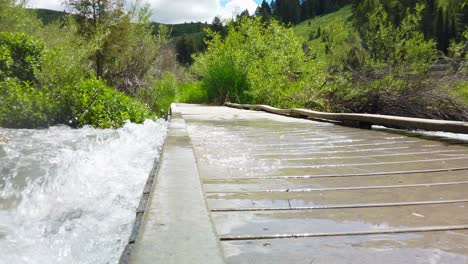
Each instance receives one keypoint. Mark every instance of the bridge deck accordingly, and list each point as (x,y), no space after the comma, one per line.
(285,190)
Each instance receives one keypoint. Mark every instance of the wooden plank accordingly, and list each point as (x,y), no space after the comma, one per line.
(352,174)
(336,206)
(370,119)
(357,233)
(348,188)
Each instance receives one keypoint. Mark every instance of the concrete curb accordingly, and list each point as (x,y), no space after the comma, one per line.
(176,226)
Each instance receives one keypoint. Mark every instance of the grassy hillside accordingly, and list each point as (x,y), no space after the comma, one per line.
(308,29)
(187,28)
(334,28)
(192,29)
(47,16)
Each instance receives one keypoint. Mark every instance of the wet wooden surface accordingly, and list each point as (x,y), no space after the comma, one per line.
(286,190)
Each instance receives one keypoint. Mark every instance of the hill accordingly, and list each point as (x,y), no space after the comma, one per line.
(308,29)
(192,29)
(335,27)
(47,16)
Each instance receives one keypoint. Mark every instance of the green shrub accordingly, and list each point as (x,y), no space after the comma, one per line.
(461,91)
(225,82)
(14,17)
(191,93)
(91,102)
(160,96)
(65,59)
(256,63)
(20,56)
(402,47)
(22,106)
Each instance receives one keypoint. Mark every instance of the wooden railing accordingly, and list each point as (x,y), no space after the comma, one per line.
(364,120)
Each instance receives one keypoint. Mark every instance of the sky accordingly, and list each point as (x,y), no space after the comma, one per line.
(178,11)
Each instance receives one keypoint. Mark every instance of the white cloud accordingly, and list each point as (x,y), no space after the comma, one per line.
(234,7)
(47,4)
(178,11)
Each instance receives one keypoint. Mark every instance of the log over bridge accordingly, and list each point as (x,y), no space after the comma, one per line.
(244,186)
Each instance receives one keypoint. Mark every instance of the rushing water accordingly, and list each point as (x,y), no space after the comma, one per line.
(70,195)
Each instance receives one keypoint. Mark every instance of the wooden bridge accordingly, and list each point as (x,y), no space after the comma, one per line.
(242,186)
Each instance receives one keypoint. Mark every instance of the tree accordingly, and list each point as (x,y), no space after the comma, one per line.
(14,17)
(264,11)
(287,11)
(217,26)
(127,44)
(450,21)
(244,13)
(442,20)
(185,48)
(255,63)
(96,17)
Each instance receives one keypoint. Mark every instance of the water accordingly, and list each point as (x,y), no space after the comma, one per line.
(70,195)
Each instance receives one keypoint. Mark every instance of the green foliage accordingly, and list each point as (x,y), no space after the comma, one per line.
(160,96)
(381,47)
(462,91)
(192,92)
(185,47)
(306,28)
(15,18)
(255,63)
(459,49)
(226,82)
(20,56)
(442,20)
(264,10)
(403,46)
(48,16)
(178,30)
(91,102)
(287,11)
(379,65)
(24,106)
(126,46)
(48,76)
(65,60)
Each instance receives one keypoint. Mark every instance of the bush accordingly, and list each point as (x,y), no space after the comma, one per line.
(256,63)
(14,17)
(225,82)
(22,106)
(403,46)
(89,102)
(160,96)
(20,56)
(191,93)
(65,59)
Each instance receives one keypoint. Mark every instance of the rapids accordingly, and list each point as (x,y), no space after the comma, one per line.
(70,195)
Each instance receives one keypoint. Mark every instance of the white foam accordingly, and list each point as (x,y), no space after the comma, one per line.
(70,195)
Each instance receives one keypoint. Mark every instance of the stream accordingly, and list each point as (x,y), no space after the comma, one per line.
(70,195)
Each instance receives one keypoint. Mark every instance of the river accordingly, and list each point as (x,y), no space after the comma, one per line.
(70,195)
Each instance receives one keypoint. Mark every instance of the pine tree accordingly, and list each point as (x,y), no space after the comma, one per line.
(264,10)
(185,48)
(288,11)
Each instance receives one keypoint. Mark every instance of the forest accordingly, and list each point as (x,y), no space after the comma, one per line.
(103,64)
